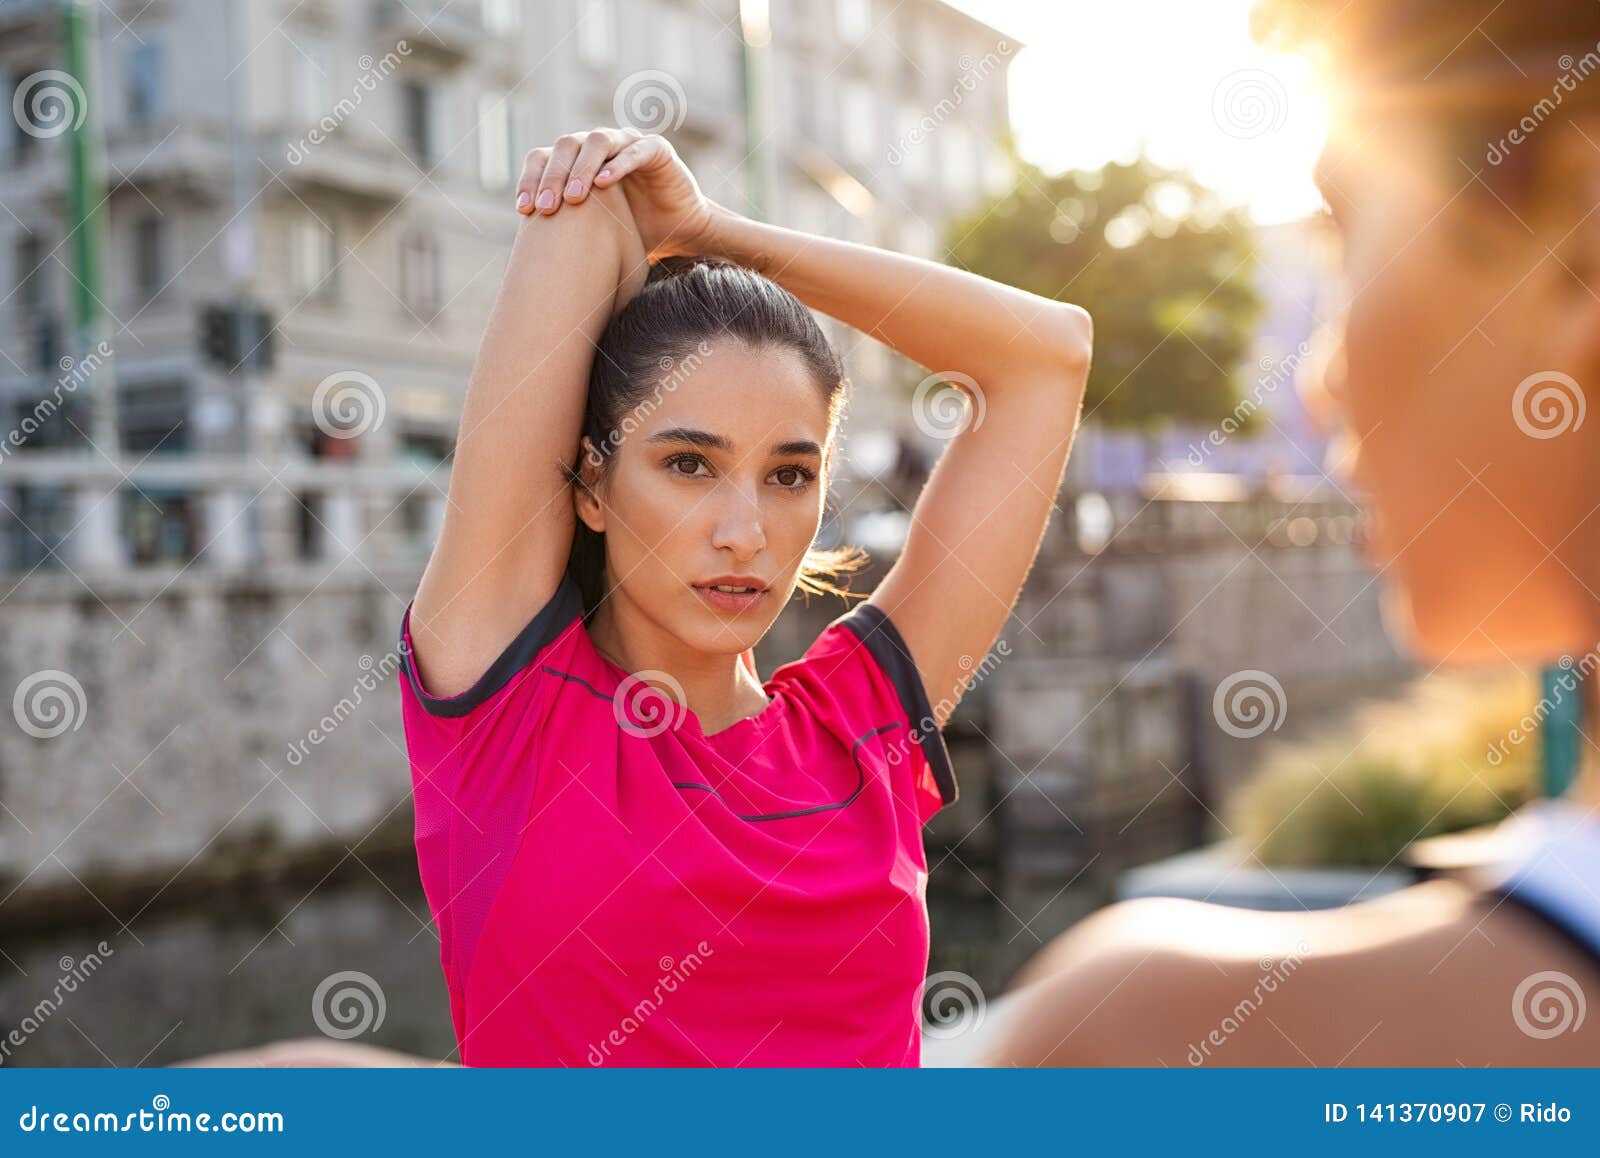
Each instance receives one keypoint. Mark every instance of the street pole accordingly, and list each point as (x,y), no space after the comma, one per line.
(98,541)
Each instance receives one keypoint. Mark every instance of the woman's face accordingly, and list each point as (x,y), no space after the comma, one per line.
(718,473)
(1476,465)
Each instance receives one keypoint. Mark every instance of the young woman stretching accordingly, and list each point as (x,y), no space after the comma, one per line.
(637,852)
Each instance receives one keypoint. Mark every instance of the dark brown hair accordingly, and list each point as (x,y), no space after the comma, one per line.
(684,306)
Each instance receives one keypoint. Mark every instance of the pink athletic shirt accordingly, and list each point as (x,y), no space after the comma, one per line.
(612,886)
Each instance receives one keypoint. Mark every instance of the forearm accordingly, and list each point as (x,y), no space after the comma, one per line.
(565,279)
(943,318)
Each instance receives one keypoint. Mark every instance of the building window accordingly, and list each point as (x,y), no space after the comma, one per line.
(420,282)
(31,255)
(911,143)
(315,257)
(494,140)
(312,69)
(501,16)
(596,44)
(853,19)
(144,82)
(416,101)
(860,111)
(149,258)
(958,157)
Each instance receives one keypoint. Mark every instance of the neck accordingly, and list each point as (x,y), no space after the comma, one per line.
(715,686)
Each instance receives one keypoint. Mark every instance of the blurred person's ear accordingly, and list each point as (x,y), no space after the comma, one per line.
(1568,222)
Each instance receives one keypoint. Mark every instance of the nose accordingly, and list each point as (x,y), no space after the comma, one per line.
(738,526)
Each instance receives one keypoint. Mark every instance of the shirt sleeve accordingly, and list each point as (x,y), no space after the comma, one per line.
(470,757)
(865,639)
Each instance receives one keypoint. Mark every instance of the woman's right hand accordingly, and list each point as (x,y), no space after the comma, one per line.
(673,216)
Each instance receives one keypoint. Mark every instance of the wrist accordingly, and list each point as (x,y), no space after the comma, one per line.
(714,239)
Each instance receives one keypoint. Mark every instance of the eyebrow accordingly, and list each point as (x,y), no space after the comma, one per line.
(706,440)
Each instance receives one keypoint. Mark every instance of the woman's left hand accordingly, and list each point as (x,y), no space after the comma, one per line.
(672,214)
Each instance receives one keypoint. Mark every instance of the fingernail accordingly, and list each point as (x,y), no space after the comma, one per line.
(574,187)
(524,199)
(547,199)
(603,173)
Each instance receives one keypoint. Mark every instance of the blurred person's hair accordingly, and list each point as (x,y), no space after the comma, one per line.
(686,303)
(1472,70)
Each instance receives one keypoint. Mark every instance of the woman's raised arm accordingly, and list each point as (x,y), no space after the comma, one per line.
(1023,361)
(509,520)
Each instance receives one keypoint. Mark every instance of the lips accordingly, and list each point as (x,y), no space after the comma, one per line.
(734,584)
(732,593)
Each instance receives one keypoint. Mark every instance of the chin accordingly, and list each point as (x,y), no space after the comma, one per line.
(1523,629)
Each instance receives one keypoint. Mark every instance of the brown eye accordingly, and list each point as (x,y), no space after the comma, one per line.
(676,462)
(793,477)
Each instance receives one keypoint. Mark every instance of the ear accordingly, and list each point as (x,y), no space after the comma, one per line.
(586,493)
(1575,308)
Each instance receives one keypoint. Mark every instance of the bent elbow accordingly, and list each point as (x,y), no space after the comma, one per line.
(1076,340)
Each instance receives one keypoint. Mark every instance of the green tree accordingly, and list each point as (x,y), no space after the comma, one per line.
(1164,267)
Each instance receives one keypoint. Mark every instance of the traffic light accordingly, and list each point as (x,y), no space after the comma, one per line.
(216,336)
(231,335)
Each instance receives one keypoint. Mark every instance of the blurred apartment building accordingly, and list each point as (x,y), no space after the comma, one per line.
(301,189)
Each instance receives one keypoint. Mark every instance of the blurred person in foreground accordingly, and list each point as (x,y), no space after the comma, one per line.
(1463,178)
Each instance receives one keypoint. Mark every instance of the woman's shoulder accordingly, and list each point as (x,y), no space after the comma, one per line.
(551,626)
